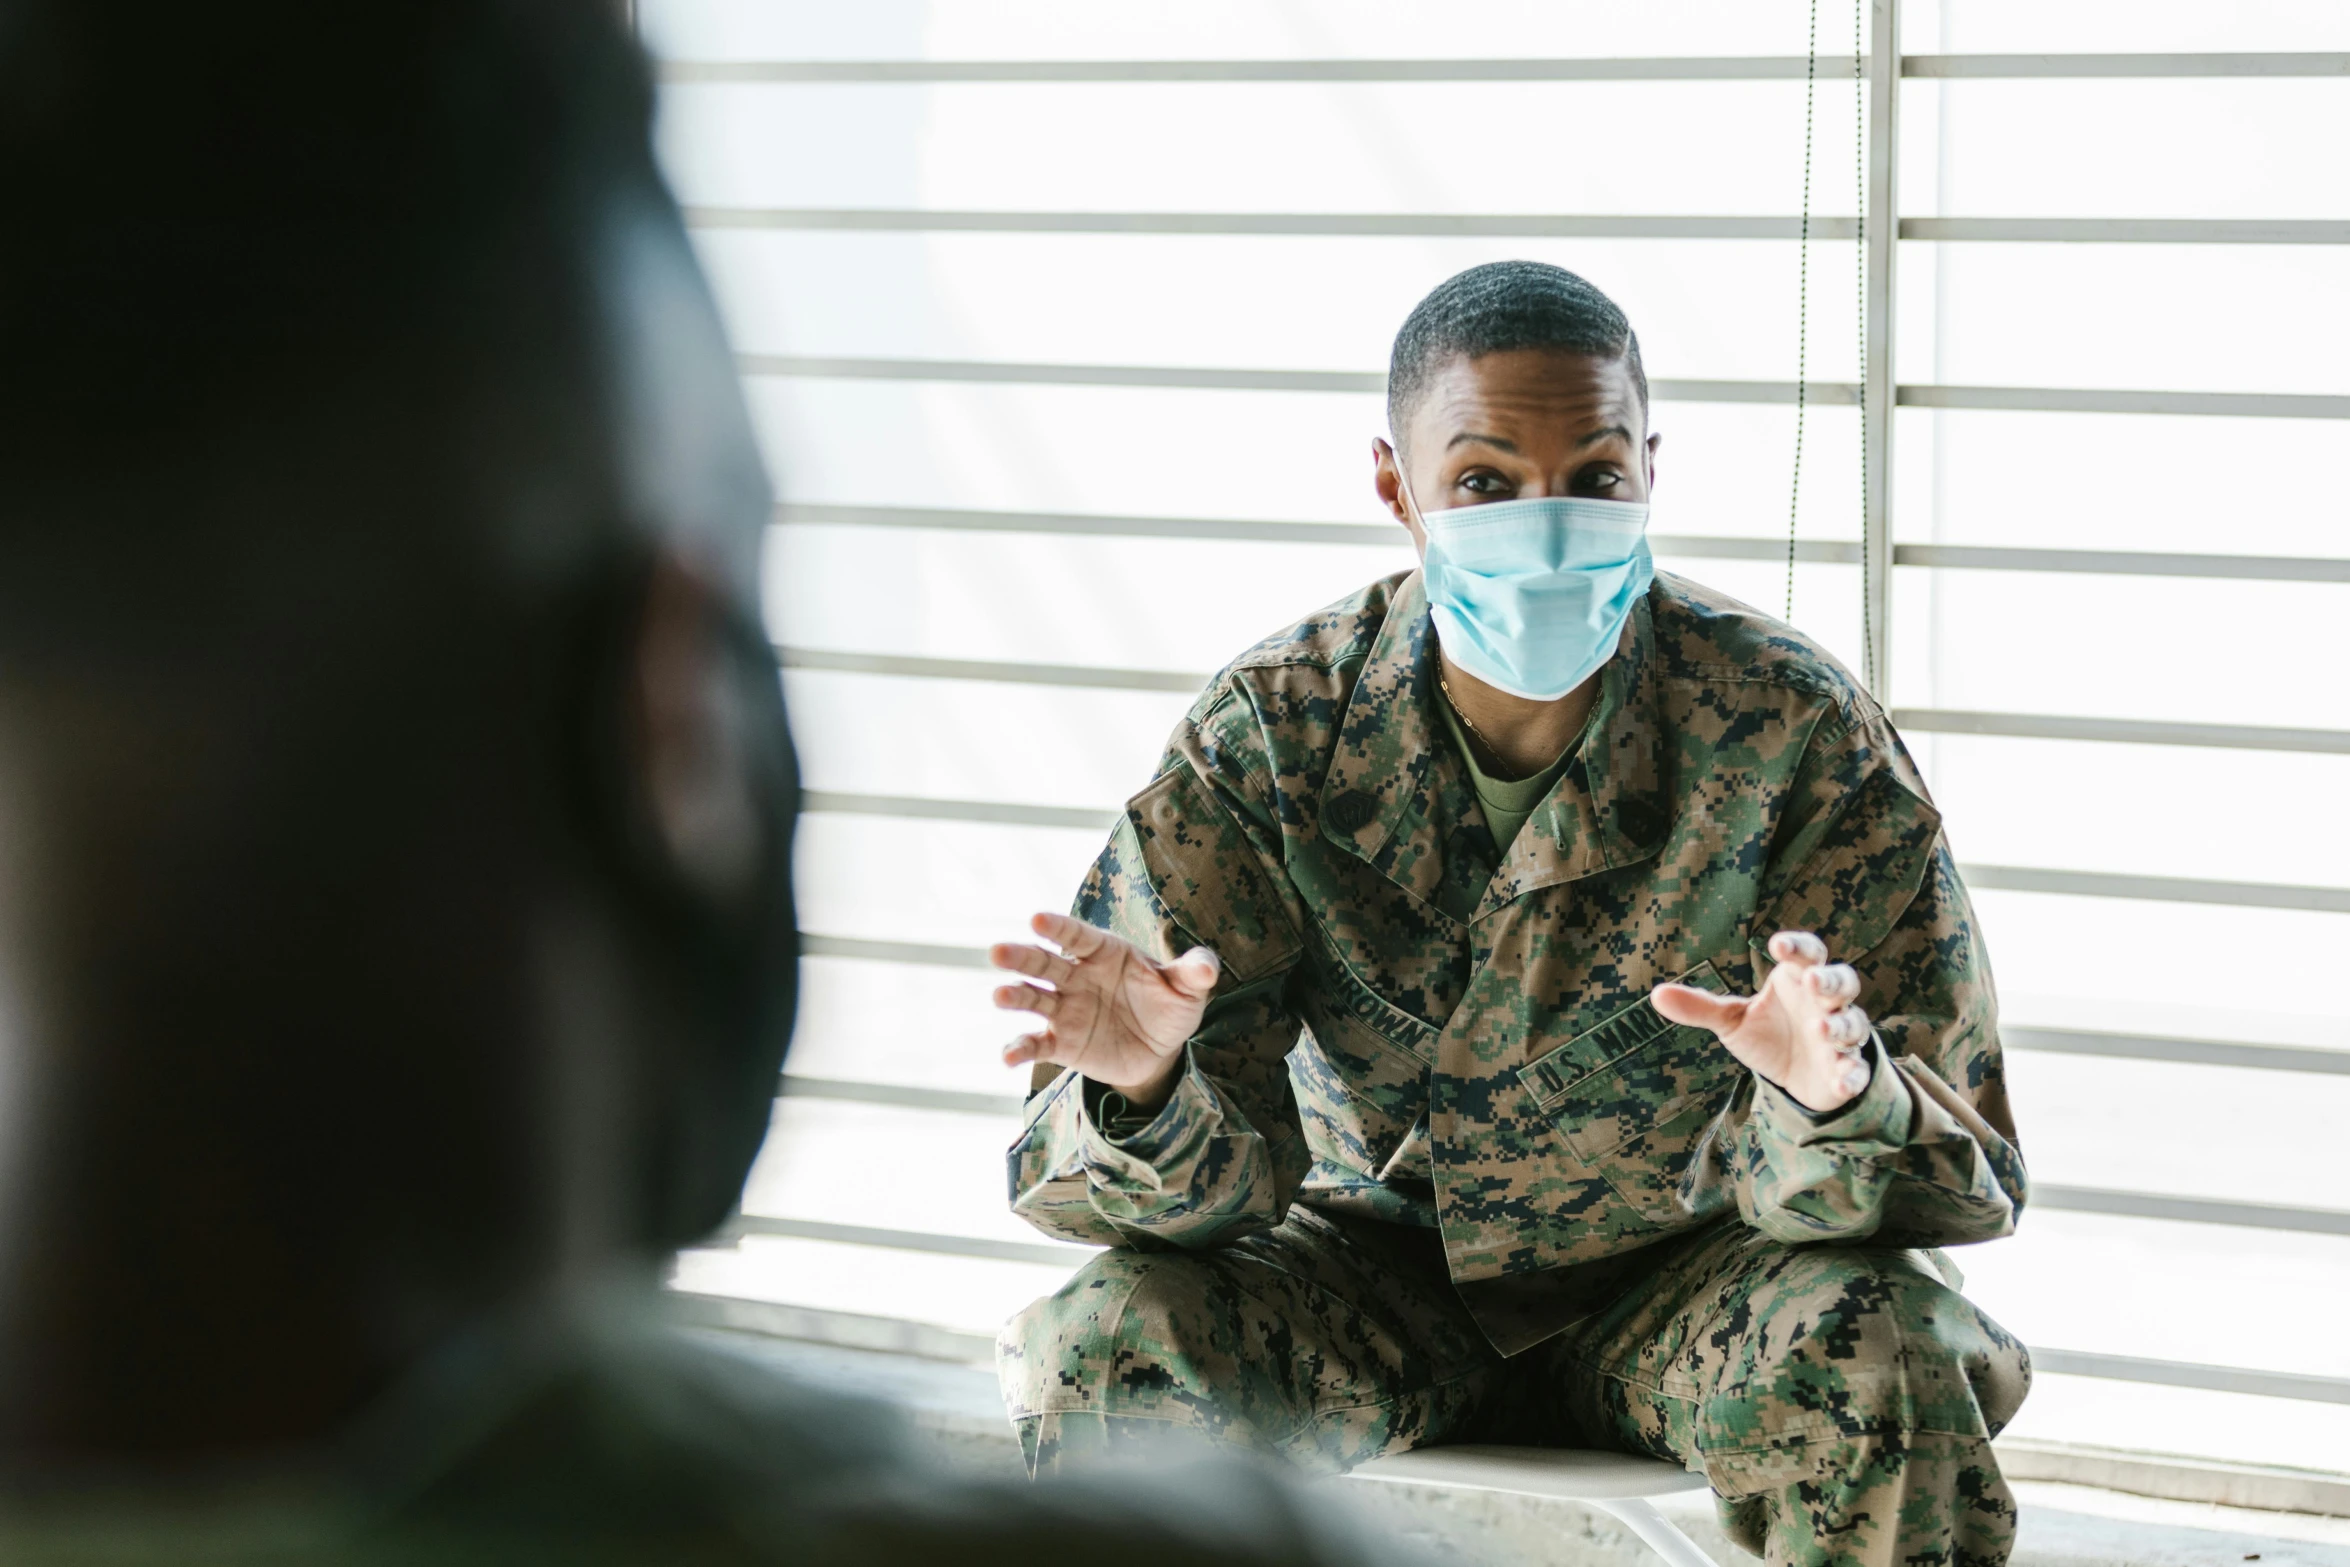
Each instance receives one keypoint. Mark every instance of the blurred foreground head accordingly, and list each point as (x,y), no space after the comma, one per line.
(395,798)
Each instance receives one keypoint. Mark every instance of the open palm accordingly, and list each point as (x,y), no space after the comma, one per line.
(1804,1031)
(1109,1011)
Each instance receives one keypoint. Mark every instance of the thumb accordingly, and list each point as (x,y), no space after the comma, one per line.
(1696,1008)
(1195,973)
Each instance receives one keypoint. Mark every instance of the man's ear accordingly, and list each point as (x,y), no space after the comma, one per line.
(1387,482)
(1656,438)
(690,736)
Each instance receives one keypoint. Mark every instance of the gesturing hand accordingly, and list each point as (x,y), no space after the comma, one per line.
(1111,1013)
(1802,1032)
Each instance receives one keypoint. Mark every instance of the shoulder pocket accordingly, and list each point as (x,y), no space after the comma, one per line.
(1640,1100)
(1208,877)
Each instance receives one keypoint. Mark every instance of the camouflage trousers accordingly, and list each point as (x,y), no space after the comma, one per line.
(1839,1399)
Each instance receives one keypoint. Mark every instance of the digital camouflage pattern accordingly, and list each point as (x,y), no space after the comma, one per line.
(1839,1399)
(1414,1030)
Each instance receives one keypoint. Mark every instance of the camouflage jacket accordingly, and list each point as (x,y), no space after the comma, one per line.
(1413,1029)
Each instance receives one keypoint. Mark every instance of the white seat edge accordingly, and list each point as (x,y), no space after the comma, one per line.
(1573,1474)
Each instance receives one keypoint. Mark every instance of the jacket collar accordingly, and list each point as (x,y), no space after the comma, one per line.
(1398,795)
(1610,807)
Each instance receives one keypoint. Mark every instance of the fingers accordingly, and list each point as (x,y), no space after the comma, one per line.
(1051,972)
(1027,1048)
(1072,936)
(1856,1074)
(1834,983)
(1700,1008)
(1027,998)
(1035,962)
(1799,947)
(1196,972)
(1847,1028)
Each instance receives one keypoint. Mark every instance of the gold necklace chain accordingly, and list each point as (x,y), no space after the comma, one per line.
(1462,714)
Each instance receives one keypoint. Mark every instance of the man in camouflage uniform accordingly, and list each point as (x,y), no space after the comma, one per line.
(1403,1130)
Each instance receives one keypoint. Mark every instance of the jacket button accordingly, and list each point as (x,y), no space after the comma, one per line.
(1351,812)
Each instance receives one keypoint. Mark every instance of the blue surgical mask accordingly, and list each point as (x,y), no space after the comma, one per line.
(1531,596)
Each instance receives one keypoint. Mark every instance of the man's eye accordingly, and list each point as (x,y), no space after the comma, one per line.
(1481,483)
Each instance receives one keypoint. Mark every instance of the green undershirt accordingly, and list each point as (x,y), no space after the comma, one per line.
(1506,802)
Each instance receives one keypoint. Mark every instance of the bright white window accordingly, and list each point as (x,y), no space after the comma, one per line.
(1011,434)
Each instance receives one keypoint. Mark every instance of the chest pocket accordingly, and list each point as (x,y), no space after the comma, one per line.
(1642,1103)
(1361,1069)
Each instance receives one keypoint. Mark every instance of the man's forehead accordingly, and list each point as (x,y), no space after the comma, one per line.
(1528,391)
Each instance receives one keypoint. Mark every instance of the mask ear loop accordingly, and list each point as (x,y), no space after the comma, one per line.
(1403,489)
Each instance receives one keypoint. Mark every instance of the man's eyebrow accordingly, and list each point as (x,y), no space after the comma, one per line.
(1494,441)
(1597,436)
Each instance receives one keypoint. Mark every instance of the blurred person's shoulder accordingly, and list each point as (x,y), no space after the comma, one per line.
(673,1447)
(654,1446)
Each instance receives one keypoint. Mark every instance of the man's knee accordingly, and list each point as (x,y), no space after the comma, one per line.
(1850,1341)
(1126,1336)
(1247,1346)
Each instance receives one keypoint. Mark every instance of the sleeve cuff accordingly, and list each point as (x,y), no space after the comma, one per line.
(1115,1129)
(1112,1114)
(1876,1120)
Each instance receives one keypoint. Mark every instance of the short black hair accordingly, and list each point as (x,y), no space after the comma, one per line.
(1500,307)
